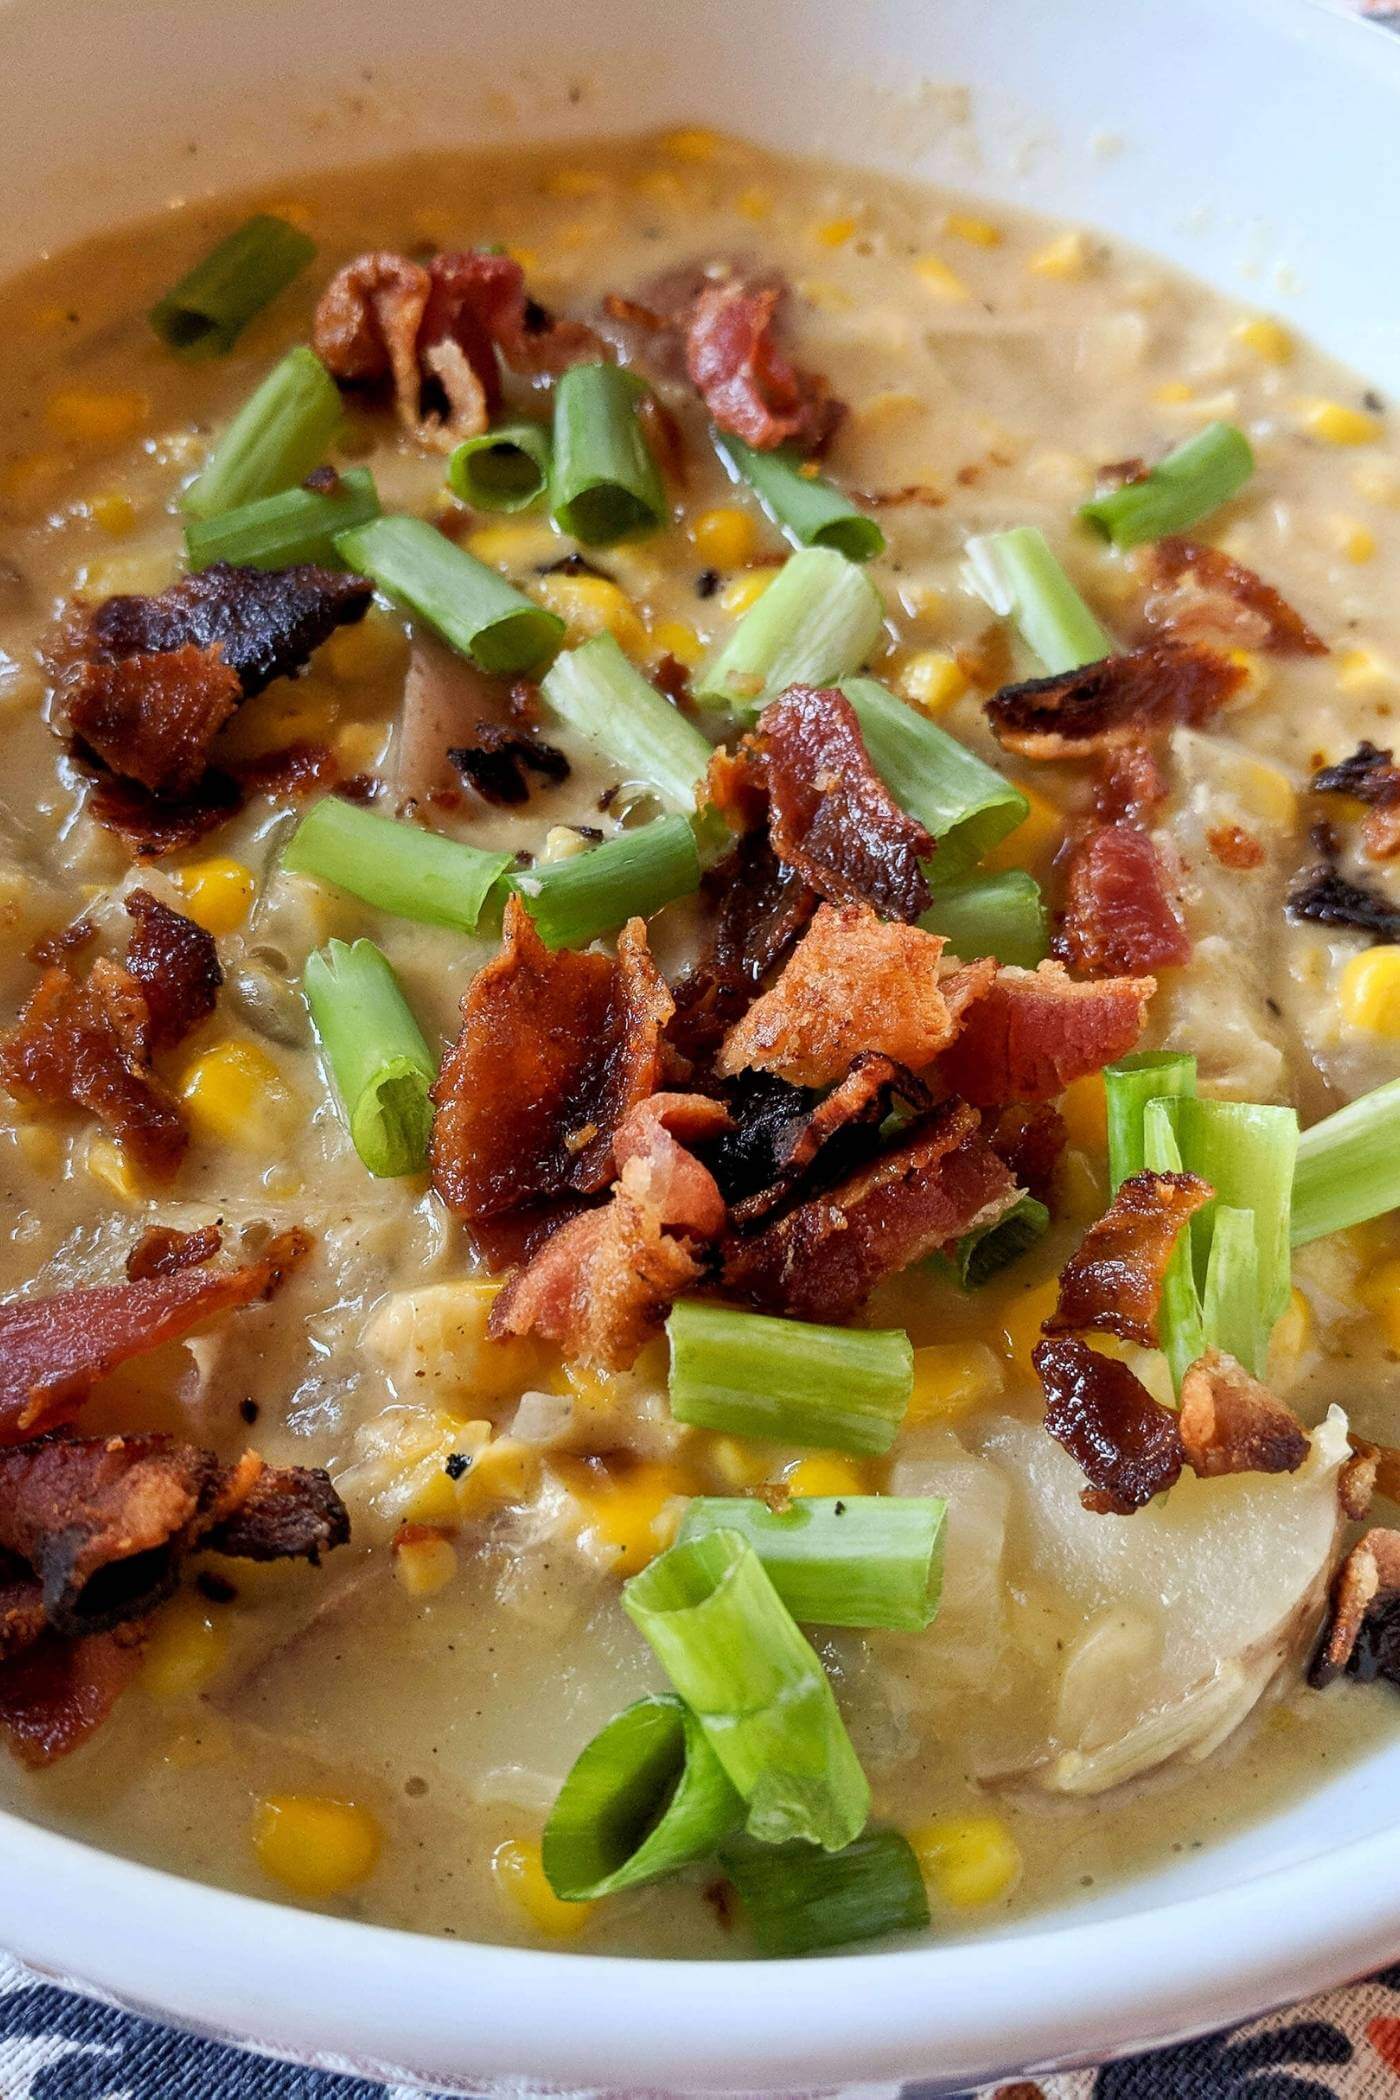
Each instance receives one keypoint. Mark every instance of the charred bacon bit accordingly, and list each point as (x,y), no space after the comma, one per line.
(749,387)
(1131,785)
(1363,1629)
(1236,848)
(555,1048)
(1034,1031)
(153,718)
(1118,916)
(289,773)
(21,1607)
(1030,1140)
(148,828)
(1113,1281)
(1323,895)
(176,965)
(786,1140)
(1230,1423)
(1126,1444)
(759,908)
(497,762)
(1370,776)
(1075,714)
(288,1513)
(823,1259)
(54,1350)
(1214,597)
(58,1693)
(162,1251)
(64,942)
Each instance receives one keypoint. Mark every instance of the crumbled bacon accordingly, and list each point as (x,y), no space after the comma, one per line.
(1362,1635)
(1119,699)
(149,828)
(1126,1444)
(64,942)
(1030,1140)
(1230,1423)
(154,718)
(759,907)
(498,761)
(749,386)
(176,966)
(1371,776)
(58,1693)
(1113,1280)
(785,1139)
(656,1144)
(1131,785)
(1118,917)
(1036,1030)
(290,772)
(1210,596)
(1323,895)
(163,1251)
(1236,848)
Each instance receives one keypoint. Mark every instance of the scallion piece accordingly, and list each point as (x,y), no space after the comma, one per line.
(815,624)
(380,1066)
(853,1560)
(1180,1324)
(811,511)
(281,432)
(983,1255)
(604,484)
(1230,1299)
(646,1796)
(206,312)
(1019,577)
(630,876)
(297,525)
(503,469)
(606,699)
(1001,915)
(394,866)
(1348,1166)
(798,1900)
(1247,1153)
(469,605)
(1128,1086)
(788,1381)
(966,805)
(733,1651)
(1178,492)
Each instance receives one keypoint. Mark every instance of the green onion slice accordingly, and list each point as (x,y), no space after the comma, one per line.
(380,1065)
(983,1255)
(966,805)
(648,1795)
(206,312)
(473,609)
(604,484)
(281,432)
(630,876)
(1002,915)
(277,531)
(1129,1085)
(734,1653)
(798,1900)
(851,1560)
(1178,492)
(1230,1299)
(815,624)
(503,469)
(398,868)
(1247,1153)
(811,511)
(1019,577)
(788,1381)
(1348,1166)
(1180,1324)
(606,699)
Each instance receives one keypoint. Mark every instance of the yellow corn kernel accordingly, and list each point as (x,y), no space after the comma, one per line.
(88,416)
(576,182)
(516,545)
(1293,1334)
(1023,1319)
(112,1170)
(590,605)
(631,1516)
(679,639)
(1268,795)
(374,648)
(139,569)
(967,1861)
(1380,1293)
(1172,393)
(520,1877)
(825,1474)
(1369,993)
(662,186)
(314,1844)
(304,715)
(1362,670)
(754,202)
(295,210)
(1257,676)
(185,1647)
(1337,423)
(217,893)
(932,679)
(936,277)
(236,1095)
(1035,838)
(726,537)
(833,233)
(26,478)
(1081,1187)
(431,1342)
(503,1470)
(742,593)
(693,142)
(1355,541)
(979,233)
(737,1463)
(54,314)
(42,1147)
(1266,338)
(952,1378)
(358,746)
(112,513)
(1067,256)
(1084,1106)
(424,1561)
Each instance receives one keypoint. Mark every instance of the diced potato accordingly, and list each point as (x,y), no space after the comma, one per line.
(431,1344)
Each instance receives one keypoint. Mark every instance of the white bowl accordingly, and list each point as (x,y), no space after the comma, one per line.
(1249,140)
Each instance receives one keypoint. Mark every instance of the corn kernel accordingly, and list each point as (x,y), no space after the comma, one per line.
(936,277)
(236,1095)
(1035,838)
(825,1475)
(1362,670)
(661,186)
(693,142)
(112,1170)
(1336,423)
(28,477)
(590,605)
(754,202)
(1378,481)
(1268,795)
(520,1877)
(1023,1319)
(1266,338)
(185,1647)
(979,233)
(737,1463)
(630,1516)
(295,210)
(1066,257)
(742,593)
(1380,1293)
(515,545)
(217,893)
(314,1844)
(503,1470)
(833,233)
(1292,1336)
(1084,1107)
(52,315)
(1369,993)
(87,416)
(726,537)
(932,679)
(1172,393)
(112,513)
(374,647)
(952,1378)
(577,182)
(431,1342)
(562,842)
(425,1560)
(679,639)
(1355,542)
(434,225)
(967,1861)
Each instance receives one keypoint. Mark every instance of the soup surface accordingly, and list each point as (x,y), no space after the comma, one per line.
(385,1734)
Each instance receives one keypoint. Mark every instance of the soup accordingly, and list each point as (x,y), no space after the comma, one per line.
(726,1066)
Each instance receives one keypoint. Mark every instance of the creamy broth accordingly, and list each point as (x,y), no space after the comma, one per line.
(997,361)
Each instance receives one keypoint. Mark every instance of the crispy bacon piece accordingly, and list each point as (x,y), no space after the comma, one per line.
(1214,597)
(286,1513)
(498,761)
(148,828)
(1131,784)
(785,1139)
(1118,916)
(655,1143)
(176,966)
(58,1693)
(162,1251)
(822,1259)
(749,386)
(1035,1030)
(1126,1444)
(291,772)
(63,942)
(1230,1423)
(1234,847)
(1030,1140)
(1323,895)
(21,1607)
(1362,1635)
(1370,775)
(759,908)
(1113,1281)
(153,718)
(1076,714)
(555,1049)
(54,1350)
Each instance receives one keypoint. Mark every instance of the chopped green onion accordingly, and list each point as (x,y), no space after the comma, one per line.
(604,483)
(281,432)
(294,526)
(380,1066)
(503,469)
(1247,1154)
(397,867)
(1180,1324)
(815,624)
(1348,1166)
(1180,490)
(853,1560)
(983,1255)
(469,605)
(732,1650)
(1128,1086)
(1001,915)
(798,1900)
(646,1796)
(966,805)
(606,699)
(206,312)
(1021,580)
(1230,1300)
(630,876)
(809,510)
(788,1381)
